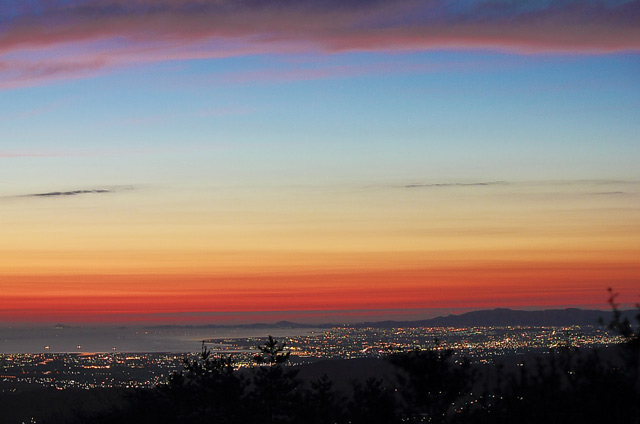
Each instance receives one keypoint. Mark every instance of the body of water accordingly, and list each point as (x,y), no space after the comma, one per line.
(125,339)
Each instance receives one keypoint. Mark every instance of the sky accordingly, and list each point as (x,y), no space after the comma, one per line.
(184,161)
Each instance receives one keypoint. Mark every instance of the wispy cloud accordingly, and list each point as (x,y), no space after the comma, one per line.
(438,185)
(51,39)
(26,73)
(68,193)
(78,192)
(577,187)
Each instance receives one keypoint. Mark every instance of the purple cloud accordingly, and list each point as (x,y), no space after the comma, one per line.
(51,39)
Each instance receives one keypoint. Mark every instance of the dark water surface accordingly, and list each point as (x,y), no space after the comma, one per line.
(124,339)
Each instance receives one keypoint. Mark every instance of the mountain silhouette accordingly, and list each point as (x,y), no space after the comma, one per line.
(499,317)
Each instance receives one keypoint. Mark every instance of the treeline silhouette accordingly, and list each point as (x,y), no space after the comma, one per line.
(568,385)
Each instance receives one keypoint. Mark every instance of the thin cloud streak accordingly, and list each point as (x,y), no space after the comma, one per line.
(68,193)
(104,34)
(555,189)
(439,185)
(15,74)
(550,183)
(71,193)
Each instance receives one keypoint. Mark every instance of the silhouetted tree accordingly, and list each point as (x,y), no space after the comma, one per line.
(430,383)
(565,385)
(622,325)
(372,404)
(272,353)
(274,395)
(630,349)
(207,389)
(570,385)
(322,404)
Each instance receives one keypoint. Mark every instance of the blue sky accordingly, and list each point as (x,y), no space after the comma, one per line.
(410,115)
(317,138)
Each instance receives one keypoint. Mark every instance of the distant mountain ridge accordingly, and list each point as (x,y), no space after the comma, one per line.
(499,317)
(503,317)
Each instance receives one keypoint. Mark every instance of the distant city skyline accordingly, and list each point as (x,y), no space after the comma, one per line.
(241,161)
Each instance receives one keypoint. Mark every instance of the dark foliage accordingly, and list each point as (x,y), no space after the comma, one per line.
(372,404)
(274,395)
(322,404)
(208,389)
(566,385)
(271,353)
(431,383)
(571,385)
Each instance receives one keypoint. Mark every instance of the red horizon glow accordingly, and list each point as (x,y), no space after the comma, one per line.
(344,295)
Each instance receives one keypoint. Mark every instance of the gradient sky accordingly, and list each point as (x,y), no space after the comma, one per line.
(184,161)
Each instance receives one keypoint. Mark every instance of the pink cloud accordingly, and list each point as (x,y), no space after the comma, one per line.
(15,74)
(69,39)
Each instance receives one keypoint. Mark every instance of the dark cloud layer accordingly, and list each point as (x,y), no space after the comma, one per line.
(333,24)
(113,33)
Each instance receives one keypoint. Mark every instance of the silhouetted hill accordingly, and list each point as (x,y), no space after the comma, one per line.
(502,317)
(499,317)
